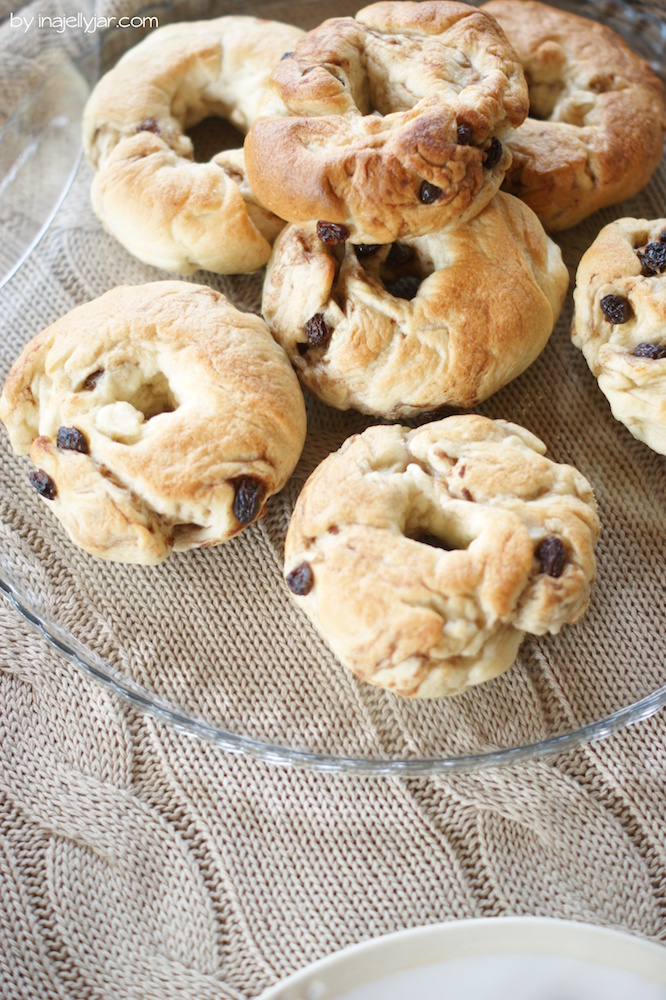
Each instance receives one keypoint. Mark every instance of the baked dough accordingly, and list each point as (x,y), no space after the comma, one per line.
(619,323)
(163,207)
(489,293)
(422,556)
(597,114)
(159,417)
(389,123)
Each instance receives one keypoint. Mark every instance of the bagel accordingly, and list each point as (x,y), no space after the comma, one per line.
(597,114)
(389,123)
(163,207)
(398,330)
(422,556)
(619,323)
(159,417)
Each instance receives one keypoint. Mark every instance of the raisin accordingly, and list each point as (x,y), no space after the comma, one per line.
(428,193)
(653,258)
(301,579)
(366,249)
(655,352)
(616,309)
(247,501)
(317,331)
(493,153)
(43,483)
(91,380)
(551,556)
(399,255)
(404,287)
(149,125)
(72,439)
(467,495)
(331,233)
(465,135)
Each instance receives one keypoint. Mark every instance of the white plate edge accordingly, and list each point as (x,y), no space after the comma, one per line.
(375,958)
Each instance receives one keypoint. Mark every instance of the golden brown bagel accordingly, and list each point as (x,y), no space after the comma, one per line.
(389,123)
(159,417)
(597,114)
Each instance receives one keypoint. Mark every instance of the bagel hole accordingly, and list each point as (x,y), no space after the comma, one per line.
(154,397)
(543,99)
(213,135)
(439,530)
(186,535)
(425,538)
(402,271)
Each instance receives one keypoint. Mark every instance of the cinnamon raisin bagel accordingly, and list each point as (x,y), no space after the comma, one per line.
(619,323)
(163,207)
(390,122)
(423,556)
(159,418)
(595,133)
(442,319)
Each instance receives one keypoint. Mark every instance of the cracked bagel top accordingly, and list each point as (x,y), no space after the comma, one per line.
(389,122)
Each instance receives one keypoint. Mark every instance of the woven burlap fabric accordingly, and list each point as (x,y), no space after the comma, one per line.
(137,862)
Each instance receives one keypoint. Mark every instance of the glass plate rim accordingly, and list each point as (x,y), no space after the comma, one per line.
(161,709)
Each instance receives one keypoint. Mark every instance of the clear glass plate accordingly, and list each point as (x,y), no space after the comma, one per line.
(211,642)
(46,70)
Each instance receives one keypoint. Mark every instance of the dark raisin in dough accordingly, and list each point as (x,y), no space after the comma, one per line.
(317,331)
(247,501)
(366,249)
(655,352)
(301,579)
(399,255)
(429,193)
(72,439)
(91,380)
(43,483)
(551,556)
(465,135)
(616,309)
(493,153)
(331,233)
(653,258)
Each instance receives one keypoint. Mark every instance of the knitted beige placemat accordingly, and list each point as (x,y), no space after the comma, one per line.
(139,863)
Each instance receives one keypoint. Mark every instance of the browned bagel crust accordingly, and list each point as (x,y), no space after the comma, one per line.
(367,109)
(186,417)
(489,295)
(166,209)
(601,113)
(422,556)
